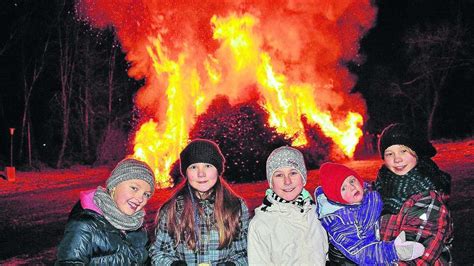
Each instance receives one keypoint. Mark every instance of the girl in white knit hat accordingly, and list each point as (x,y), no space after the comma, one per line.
(105,227)
(285,229)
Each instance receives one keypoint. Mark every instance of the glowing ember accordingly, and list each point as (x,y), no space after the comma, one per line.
(292,53)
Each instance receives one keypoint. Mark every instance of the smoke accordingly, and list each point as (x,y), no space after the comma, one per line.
(308,42)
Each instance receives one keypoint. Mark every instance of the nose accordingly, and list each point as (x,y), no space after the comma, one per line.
(201,172)
(397,158)
(287,180)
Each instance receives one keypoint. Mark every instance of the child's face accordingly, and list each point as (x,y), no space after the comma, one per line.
(352,190)
(399,159)
(131,195)
(202,176)
(287,183)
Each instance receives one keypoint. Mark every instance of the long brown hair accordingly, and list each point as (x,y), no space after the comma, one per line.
(227,212)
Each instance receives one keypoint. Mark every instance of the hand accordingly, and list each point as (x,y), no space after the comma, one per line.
(407,250)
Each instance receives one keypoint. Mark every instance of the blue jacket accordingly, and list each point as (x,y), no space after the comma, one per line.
(353,229)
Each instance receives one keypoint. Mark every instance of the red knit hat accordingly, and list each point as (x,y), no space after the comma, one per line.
(332,176)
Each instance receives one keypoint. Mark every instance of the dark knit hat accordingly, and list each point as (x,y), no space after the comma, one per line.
(201,151)
(131,169)
(401,134)
(285,157)
(332,176)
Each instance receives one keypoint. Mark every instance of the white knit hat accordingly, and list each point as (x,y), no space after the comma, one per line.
(285,156)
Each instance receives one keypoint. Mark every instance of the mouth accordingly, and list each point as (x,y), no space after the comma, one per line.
(133,205)
(287,190)
(356,194)
(399,168)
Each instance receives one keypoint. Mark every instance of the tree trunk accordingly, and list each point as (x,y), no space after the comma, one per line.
(66,68)
(111,85)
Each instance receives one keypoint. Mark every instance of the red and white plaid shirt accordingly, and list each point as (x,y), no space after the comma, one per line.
(425,218)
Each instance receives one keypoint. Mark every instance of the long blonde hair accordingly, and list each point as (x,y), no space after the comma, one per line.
(227,212)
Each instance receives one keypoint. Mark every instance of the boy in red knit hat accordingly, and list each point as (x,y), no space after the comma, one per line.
(349,212)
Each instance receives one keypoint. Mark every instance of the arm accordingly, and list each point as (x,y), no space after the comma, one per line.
(137,242)
(426,219)
(259,251)
(238,254)
(361,251)
(163,250)
(76,245)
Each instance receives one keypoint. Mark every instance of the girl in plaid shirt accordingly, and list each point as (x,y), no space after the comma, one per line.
(415,193)
(204,222)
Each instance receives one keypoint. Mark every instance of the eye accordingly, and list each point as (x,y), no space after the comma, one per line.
(351,181)
(209,165)
(404,150)
(192,167)
(388,154)
(147,195)
(134,188)
(278,175)
(343,188)
(293,173)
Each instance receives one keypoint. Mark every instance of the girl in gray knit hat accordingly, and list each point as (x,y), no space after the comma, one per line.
(285,229)
(106,224)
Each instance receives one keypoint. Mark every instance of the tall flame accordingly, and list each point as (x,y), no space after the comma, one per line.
(293,53)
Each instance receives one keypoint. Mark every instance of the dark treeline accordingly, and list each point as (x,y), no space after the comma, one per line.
(65,89)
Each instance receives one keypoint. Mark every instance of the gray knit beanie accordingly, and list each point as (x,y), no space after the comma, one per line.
(131,169)
(285,157)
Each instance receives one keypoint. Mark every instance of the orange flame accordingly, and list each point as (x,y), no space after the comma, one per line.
(291,52)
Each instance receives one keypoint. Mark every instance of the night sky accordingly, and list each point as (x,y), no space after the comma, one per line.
(381,46)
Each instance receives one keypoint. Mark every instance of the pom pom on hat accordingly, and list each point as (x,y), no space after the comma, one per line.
(201,151)
(131,169)
(401,134)
(285,157)
(332,176)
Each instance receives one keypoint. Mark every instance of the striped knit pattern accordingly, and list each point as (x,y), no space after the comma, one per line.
(298,202)
(116,217)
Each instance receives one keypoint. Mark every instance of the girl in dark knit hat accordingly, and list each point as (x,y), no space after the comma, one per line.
(204,222)
(350,211)
(415,193)
(105,227)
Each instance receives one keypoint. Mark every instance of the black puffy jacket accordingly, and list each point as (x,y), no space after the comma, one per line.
(90,239)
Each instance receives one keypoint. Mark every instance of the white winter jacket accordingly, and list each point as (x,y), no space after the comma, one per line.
(285,234)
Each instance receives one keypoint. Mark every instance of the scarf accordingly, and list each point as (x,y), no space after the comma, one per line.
(396,189)
(298,202)
(116,217)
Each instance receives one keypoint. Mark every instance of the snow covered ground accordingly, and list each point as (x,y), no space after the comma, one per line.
(34,208)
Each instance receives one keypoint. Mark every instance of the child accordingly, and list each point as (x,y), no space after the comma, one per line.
(350,214)
(106,226)
(415,193)
(204,222)
(285,230)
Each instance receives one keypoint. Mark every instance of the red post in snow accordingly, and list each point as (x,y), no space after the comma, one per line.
(10,170)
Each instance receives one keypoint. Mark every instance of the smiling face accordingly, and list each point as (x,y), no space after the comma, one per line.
(132,195)
(202,176)
(351,190)
(399,159)
(287,183)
